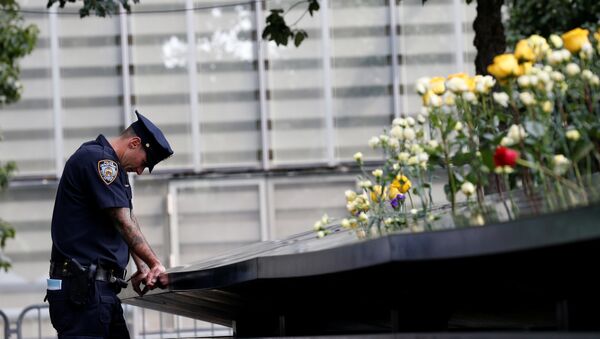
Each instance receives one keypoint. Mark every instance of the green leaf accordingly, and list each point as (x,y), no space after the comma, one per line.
(313,6)
(461,159)
(300,36)
(534,128)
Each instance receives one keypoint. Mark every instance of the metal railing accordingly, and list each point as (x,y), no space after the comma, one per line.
(177,328)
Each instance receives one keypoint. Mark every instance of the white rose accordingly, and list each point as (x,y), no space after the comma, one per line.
(573,135)
(573,69)
(457,85)
(377,173)
(560,164)
(409,134)
(318,225)
(595,81)
(527,98)
(449,99)
(403,156)
(506,141)
(358,156)
(469,97)
(410,121)
(433,143)
(467,188)
(587,51)
(397,132)
(523,81)
(516,133)
(394,143)
(416,149)
(423,157)
(565,54)
(556,41)
(422,85)
(557,76)
(350,195)
(587,74)
(373,142)
(345,223)
(421,119)
(435,100)
(363,217)
(458,126)
(501,98)
(413,160)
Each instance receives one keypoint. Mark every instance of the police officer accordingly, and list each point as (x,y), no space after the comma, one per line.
(94,231)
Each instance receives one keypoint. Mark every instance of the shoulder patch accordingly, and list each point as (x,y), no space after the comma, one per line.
(108,170)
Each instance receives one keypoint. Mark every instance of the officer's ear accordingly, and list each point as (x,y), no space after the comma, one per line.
(134,142)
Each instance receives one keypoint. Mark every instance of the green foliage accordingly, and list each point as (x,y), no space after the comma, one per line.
(546,17)
(16,41)
(278,30)
(100,8)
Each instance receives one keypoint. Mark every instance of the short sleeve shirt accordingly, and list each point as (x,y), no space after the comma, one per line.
(92,181)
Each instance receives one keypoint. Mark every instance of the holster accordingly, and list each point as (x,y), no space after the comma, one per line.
(82,283)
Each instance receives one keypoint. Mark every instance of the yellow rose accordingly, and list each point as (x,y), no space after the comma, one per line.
(597,37)
(524,68)
(504,66)
(376,193)
(437,85)
(400,185)
(575,39)
(523,52)
(470,81)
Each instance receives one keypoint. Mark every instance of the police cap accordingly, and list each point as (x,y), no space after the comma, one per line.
(153,140)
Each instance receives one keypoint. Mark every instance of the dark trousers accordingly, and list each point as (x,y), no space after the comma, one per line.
(102,317)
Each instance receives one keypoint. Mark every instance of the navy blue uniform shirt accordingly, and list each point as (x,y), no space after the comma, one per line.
(92,181)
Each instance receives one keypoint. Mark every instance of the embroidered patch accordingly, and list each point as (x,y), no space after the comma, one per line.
(108,170)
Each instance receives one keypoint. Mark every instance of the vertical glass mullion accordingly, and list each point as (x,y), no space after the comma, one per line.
(193,83)
(394,56)
(457,7)
(262,85)
(56,93)
(327,87)
(127,118)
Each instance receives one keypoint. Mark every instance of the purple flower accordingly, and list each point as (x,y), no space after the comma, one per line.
(397,200)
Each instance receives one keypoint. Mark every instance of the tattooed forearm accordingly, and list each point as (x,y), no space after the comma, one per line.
(127,225)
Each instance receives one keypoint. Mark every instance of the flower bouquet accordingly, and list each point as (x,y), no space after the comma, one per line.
(529,134)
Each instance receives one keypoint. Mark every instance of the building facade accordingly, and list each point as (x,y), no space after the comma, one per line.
(263,135)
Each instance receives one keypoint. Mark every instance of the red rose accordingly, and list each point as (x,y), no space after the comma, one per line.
(505,157)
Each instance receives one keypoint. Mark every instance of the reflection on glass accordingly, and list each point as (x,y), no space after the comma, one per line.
(229,109)
(295,87)
(27,127)
(160,82)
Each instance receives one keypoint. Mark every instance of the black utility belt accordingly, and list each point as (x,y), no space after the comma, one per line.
(66,269)
(81,278)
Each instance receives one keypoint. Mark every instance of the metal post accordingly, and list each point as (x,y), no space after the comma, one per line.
(263,206)
(56,93)
(458,35)
(262,86)
(394,54)
(172,228)
(402,51)
(327,87)
(193,84)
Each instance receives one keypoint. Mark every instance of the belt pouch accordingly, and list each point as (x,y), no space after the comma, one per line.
(79,291)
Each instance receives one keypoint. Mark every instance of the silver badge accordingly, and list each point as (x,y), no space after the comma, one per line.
(108,170)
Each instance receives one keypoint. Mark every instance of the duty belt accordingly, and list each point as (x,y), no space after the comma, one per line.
(103,273)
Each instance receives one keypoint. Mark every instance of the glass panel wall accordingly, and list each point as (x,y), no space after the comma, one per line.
(27,127)
(362,74)
(428,45)
(295,93)
(90,77)
(159,75)
(216,216)
(229,110)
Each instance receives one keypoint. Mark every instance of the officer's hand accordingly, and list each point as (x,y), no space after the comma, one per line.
(156,278)
(136,280)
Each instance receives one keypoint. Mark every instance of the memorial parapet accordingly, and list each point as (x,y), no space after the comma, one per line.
(533,274)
